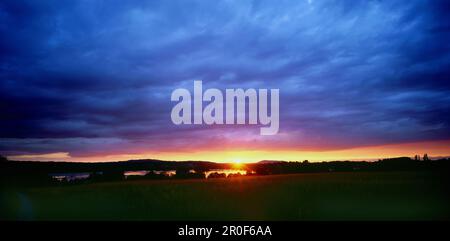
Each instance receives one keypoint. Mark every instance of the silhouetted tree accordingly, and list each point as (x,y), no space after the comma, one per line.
(186,173)
(425,157)
(153,175)
(113,175)
(217,175)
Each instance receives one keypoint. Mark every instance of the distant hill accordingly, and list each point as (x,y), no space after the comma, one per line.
(270,162)
(143,160)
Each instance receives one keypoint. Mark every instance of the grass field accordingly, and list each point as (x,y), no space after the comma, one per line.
(322,196)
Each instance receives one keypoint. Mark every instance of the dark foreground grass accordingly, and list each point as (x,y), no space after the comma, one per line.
(322,196)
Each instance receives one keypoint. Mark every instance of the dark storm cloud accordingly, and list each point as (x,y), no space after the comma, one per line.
(77,73)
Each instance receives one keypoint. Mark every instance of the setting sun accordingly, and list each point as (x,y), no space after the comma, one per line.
(237,163)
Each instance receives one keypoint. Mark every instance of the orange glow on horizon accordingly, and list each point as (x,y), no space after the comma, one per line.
(241,156)
(237,163)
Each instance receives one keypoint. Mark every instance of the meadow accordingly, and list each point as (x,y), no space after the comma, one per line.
(318,196)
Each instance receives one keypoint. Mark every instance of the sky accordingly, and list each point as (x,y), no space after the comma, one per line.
(91,80)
